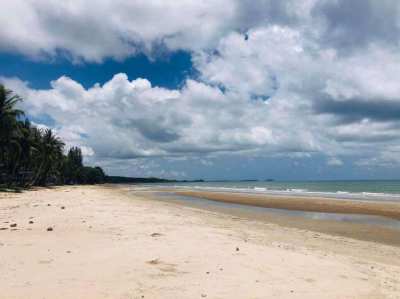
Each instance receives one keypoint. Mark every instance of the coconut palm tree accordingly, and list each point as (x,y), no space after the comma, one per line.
(33,156)
(28,143)
(50,157)
(9,132)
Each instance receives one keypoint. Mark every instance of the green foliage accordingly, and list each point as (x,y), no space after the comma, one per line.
(92,175)
(73,165)
(33,156)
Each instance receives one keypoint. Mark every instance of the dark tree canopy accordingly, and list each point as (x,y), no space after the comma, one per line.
(33,156)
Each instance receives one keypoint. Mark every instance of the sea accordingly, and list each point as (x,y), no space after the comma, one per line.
(385,190)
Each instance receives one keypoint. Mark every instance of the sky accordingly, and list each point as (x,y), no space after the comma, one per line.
(221,89)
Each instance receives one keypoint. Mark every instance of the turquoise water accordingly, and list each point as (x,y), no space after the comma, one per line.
(373,190)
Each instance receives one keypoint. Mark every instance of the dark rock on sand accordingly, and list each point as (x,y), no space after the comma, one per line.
(49,229)
(13,225)
(156,235)
(153,262)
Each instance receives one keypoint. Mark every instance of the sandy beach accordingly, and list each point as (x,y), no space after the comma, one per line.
(106,242)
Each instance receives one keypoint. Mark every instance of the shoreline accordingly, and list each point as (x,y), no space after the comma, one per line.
(299,203)
(110,242)
(359,231)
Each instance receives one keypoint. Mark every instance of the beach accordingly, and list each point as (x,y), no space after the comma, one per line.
(112,242)
(311,204)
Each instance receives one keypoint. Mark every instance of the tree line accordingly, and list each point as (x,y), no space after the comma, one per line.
(32,156)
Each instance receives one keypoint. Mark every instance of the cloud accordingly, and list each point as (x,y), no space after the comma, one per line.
(265,91)
(92,31)
(358,23)
(333,161)
(356,109)
(290,78)
(130,119)
(389,158)
(84,31)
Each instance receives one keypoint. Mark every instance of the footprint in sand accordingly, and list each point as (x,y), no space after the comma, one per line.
(164,267)
(310,280)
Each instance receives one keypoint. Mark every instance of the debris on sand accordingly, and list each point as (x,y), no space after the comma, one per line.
(62,208)
(13,225)
(30,222)
(237,248)
(153,262)
(50,229)
(156,235)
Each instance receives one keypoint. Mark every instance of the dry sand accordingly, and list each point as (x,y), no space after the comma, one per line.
(106,243)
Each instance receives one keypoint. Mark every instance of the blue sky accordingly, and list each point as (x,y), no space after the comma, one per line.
(226,90)
(168,70)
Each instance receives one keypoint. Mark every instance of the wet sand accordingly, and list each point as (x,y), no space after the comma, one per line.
(364,231)
(109,242)
(310,204)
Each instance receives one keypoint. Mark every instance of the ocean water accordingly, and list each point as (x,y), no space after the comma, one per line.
(363,190)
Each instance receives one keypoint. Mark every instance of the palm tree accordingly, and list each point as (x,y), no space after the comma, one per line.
(50,157)
(28,143)
(9,132)
(32,156)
